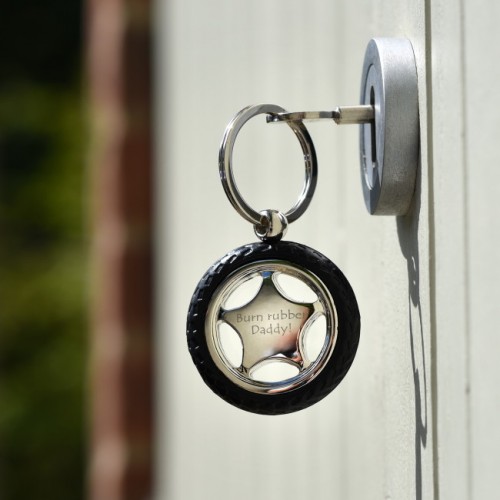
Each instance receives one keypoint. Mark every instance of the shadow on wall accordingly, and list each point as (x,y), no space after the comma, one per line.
(407,227)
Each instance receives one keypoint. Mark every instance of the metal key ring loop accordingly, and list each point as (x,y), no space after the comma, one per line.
(226,158)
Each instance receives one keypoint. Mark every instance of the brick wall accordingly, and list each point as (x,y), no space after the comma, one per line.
(121,370)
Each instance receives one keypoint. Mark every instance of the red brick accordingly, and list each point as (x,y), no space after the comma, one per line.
(121,367)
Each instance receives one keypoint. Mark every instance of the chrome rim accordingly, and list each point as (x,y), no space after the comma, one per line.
(285,332)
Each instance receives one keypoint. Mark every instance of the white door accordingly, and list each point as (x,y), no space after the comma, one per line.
(415,416)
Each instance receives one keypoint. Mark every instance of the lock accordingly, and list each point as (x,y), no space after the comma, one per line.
(389,144)
(389,125)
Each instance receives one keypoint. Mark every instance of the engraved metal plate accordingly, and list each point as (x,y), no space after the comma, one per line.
(289,321)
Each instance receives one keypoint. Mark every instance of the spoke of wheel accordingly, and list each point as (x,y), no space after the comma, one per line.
(318,311)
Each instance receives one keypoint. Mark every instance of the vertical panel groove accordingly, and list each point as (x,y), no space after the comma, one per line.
(432,251)
(465,212)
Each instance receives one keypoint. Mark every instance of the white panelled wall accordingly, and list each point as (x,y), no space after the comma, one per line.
(400,425)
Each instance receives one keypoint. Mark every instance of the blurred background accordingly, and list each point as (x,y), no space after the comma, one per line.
(75,251)
(44,250)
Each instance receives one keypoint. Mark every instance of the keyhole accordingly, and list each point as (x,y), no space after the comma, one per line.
(372,130)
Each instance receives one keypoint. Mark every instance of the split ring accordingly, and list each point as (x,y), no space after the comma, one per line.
(226,158)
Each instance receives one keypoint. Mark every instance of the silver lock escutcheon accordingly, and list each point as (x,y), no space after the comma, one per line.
(389,145)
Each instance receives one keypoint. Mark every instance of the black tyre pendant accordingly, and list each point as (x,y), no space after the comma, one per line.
(286,346)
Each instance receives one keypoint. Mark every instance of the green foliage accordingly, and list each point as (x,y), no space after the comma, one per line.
(42,258)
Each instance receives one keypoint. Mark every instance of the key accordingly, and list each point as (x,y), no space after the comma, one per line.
(342,115)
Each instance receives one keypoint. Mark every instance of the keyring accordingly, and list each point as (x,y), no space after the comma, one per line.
(273,326)
(226,159)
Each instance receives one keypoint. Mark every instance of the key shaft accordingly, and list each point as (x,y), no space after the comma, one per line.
(342,115)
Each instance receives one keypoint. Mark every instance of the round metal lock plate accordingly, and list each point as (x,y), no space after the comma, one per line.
(390,145)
